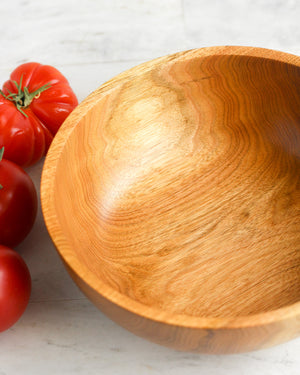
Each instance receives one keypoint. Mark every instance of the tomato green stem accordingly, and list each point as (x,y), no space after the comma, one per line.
(1,156)
(23,97)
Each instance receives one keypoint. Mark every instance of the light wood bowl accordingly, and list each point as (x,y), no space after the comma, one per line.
(172,195)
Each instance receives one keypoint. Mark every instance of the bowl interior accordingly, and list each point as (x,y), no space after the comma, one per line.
(179,188)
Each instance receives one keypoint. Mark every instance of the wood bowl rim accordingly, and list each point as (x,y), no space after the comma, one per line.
(61,243)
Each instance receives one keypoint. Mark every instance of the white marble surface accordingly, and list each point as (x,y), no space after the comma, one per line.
(90,41)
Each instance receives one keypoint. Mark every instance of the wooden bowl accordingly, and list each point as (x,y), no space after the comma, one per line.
(172,195)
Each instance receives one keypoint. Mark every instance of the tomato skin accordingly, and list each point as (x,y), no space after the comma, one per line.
(18,204)
(27,139)
(15,287)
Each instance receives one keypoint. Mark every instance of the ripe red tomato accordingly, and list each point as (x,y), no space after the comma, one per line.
(33,105)
(15,287)
(18,203)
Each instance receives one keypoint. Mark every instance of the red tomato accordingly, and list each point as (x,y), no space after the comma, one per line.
(15,287)
(18,203)
(33,105)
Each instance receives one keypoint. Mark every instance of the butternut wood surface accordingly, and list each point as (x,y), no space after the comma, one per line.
(172,195)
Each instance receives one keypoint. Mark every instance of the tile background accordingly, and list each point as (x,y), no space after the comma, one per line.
(91,41)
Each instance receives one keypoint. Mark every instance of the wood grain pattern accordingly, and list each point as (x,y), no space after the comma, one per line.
(173,193)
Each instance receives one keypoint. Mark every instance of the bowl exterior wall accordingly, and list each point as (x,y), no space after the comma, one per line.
(207,341)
